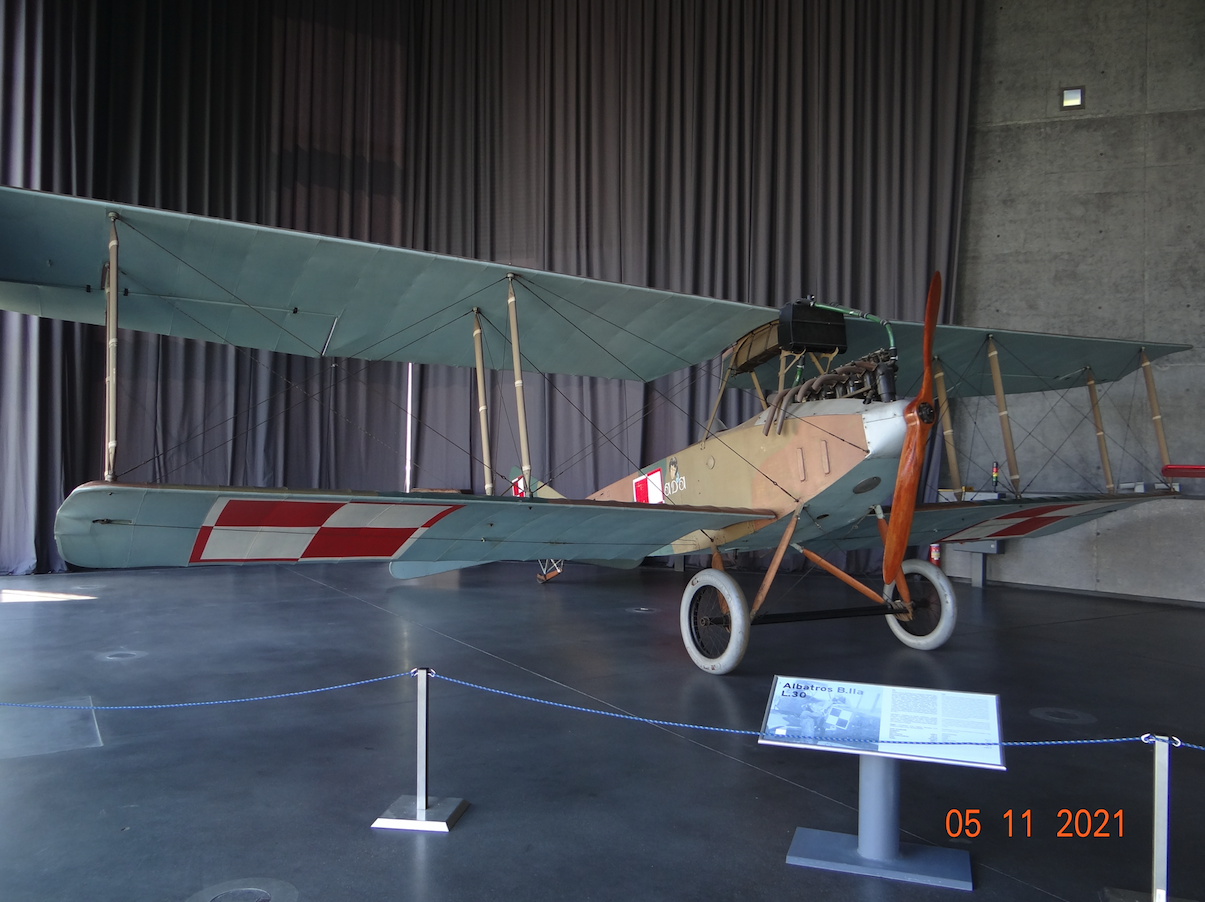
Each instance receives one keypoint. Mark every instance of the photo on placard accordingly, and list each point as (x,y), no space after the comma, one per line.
(826,713)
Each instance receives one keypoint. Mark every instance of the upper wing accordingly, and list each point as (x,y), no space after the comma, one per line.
(1029,361)
(113,525)
(281,290)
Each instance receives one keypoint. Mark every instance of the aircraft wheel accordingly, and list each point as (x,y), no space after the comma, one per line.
(933,607)
(715,621)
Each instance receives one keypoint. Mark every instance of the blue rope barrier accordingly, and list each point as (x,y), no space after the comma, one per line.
(758,733)
(1147,737)
(226,701)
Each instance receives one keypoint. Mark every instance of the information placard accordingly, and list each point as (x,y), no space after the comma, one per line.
(892,721)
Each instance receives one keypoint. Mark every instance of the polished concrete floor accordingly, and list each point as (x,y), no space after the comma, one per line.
(185,804)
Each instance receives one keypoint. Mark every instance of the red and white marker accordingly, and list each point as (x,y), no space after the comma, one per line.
(240,530)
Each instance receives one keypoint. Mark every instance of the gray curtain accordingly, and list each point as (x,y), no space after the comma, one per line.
(756,151)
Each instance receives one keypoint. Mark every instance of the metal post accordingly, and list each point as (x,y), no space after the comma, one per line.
(1100,431)
(876,850)
(482,412)
(1163,746)
(111,356)
(1156,416)
(419,811)
(520,406)
(878,808)
(420,794)
(1005,429)
(947,425)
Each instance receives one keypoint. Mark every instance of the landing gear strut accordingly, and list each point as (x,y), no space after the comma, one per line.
(715,618)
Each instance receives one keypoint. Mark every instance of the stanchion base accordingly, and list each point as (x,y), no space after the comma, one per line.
(439,816)
(929,865)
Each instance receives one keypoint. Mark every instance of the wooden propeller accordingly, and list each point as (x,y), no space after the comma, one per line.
(918,418)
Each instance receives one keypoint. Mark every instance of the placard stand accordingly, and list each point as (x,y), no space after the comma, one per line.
(419,812)
(877,851)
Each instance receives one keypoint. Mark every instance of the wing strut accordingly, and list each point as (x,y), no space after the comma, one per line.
(111,355)
(520,407)
(1006,431)
(1100,430)
(947,425)
(1156,416)
(482,413)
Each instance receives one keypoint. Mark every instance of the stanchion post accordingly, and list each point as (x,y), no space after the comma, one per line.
(420,811)
(420,796)
(1163,746)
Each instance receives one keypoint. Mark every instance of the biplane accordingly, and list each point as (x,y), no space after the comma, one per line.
(832,460)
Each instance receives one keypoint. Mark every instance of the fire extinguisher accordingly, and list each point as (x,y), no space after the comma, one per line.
(935,554)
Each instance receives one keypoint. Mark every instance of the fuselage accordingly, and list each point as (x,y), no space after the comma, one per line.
(827,448)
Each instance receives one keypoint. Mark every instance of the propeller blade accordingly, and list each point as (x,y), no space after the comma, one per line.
(918,418)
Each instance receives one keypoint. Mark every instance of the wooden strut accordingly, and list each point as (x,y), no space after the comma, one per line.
(947,425)
(482,412)
(901,585)
(840,574)
(761,395)
(409,418)
(1100,430)
(772,570)
(520,406)
(717,563)
(719,397)
(111,356)
(1006,431)
(1156,416)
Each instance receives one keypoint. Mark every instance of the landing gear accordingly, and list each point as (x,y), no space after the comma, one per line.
(549,569)
(933,607)
(714,621)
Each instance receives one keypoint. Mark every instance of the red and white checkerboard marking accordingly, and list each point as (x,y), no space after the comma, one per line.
(648,489)
(242,530)
(1025,522)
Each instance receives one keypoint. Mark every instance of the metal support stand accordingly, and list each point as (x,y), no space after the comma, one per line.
(978,552)
(877,851)
(978,569)
(1163,746)
(419,812)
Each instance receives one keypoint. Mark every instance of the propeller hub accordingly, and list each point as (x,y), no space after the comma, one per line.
(925,413)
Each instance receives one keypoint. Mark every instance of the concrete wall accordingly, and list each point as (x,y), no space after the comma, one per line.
(1092,222)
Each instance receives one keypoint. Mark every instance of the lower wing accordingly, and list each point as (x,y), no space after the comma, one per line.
(111,525)
(969,521)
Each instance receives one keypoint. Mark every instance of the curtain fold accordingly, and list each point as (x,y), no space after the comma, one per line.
(756,150)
